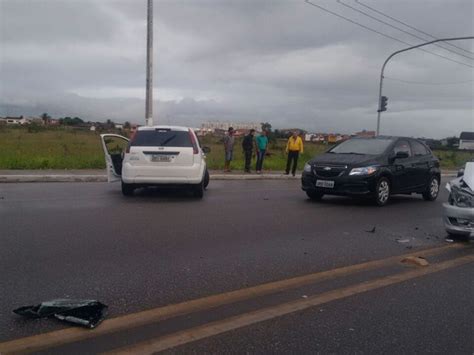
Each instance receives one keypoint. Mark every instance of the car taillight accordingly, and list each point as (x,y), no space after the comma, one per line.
(193,141)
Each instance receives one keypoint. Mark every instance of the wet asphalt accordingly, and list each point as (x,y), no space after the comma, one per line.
(85,240)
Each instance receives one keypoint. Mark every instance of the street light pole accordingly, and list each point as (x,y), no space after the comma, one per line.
(149,67)
(400,51)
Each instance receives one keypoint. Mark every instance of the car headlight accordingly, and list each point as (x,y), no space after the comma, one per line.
(367,170)
(460,198)
(307,168)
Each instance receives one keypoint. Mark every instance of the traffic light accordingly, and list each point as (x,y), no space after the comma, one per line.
(383,103)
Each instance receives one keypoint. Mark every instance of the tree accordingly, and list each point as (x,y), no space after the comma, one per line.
(45,117)
(127,125)
(266,127)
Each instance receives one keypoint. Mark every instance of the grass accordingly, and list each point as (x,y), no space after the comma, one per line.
(63,148)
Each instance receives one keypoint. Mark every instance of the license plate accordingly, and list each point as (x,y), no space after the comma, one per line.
(325,183)
(158,158)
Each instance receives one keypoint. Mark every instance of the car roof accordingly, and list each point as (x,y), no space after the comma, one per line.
(172,128)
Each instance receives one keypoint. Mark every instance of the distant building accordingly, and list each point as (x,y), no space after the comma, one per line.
(365,134)
(466,141)
(118,126)
(21,120)
(92,128)
(212,126)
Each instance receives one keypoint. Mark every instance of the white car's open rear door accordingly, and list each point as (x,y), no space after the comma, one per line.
(114,147)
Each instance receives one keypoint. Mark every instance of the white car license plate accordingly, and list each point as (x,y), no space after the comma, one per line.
(161,158)
(325,183)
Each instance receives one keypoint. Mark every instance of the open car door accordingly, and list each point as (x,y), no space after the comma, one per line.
(114,149)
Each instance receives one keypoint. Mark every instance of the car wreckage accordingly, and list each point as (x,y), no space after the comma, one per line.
(459,210)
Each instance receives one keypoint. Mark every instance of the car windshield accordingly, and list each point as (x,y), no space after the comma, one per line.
(162,138)
(369,146)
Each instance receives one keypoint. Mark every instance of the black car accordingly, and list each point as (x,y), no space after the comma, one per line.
(375,167)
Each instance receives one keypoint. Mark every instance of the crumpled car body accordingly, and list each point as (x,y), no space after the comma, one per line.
(459,210)
(86,313)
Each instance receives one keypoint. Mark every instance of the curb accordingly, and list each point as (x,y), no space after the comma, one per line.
(103,178)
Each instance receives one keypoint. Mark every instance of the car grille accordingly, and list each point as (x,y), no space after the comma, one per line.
(329,171)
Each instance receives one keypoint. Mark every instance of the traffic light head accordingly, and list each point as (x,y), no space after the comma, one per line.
(383,103)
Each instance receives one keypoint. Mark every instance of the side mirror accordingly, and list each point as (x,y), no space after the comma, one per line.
(460,172)
(206,150)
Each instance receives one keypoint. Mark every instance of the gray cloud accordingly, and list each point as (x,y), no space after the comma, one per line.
(280,61)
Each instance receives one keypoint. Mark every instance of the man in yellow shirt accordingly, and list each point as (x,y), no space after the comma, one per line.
(293,148)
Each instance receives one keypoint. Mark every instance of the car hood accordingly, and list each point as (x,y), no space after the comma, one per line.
(345,159)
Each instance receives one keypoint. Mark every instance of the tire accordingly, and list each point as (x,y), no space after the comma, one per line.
(382,192)
(127,189)
(432,189)
(198,190)
(314,195)
(206,179)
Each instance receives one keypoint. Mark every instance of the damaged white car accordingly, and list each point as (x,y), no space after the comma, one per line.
(459,211)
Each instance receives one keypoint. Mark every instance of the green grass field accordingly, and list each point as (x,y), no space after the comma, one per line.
(60,148)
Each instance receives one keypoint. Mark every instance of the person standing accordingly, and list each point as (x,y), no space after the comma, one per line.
(229,141)
(247,146)
(262,145)
(293,148)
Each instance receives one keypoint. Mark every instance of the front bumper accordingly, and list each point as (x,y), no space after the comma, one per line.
(459,220)
(343,185)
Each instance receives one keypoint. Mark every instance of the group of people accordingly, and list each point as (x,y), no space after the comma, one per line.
(294,148)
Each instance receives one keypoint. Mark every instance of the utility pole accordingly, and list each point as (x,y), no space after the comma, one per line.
(149,67)
(380,105)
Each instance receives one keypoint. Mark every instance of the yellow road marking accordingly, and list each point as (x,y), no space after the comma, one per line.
(69,335)
(246,319)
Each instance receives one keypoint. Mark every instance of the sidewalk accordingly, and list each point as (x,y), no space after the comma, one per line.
(15,176)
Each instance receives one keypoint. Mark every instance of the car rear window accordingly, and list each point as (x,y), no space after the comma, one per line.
(161,138)
(368,146)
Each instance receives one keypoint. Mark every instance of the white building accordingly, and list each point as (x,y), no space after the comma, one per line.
(211,126)
(466,141)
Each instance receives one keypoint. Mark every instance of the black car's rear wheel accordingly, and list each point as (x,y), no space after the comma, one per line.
(314,195)
(432,189)
(382,192)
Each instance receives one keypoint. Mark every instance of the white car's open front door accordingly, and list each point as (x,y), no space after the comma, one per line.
(114,147)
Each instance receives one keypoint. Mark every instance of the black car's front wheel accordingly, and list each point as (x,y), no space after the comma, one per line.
(432,189)
(314,195)
(382,191)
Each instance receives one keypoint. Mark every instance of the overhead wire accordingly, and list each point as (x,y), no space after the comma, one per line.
(410,26)
(381,33)
(429,83)
(400,29)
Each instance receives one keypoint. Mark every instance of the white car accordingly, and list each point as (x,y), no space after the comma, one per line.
(157,156)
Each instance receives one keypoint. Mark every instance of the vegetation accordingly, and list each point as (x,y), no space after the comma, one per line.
(38,147)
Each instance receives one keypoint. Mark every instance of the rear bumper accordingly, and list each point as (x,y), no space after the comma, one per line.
(458,220)
(343,186)
(148,175)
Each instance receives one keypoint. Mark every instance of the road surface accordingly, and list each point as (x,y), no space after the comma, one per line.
(159,248)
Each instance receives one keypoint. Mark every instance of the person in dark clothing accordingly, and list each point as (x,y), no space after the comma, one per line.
(247,145)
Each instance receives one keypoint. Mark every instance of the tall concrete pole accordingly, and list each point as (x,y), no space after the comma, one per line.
(149,67)
(401,51)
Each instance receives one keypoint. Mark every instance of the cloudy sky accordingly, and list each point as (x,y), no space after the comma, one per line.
(281,61)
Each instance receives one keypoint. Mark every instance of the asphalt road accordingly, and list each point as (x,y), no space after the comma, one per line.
(85,240)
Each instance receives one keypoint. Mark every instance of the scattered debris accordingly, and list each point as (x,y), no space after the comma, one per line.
(351,329)
(304,296)
(403,240)
(372,230)
(416,228)
(409,247)
(86,313)
(265,198)
(416,260)
(449,240)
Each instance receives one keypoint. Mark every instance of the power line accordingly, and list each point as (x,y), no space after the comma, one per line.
(429,83)
(409,26)
(400,29)
(382,34)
